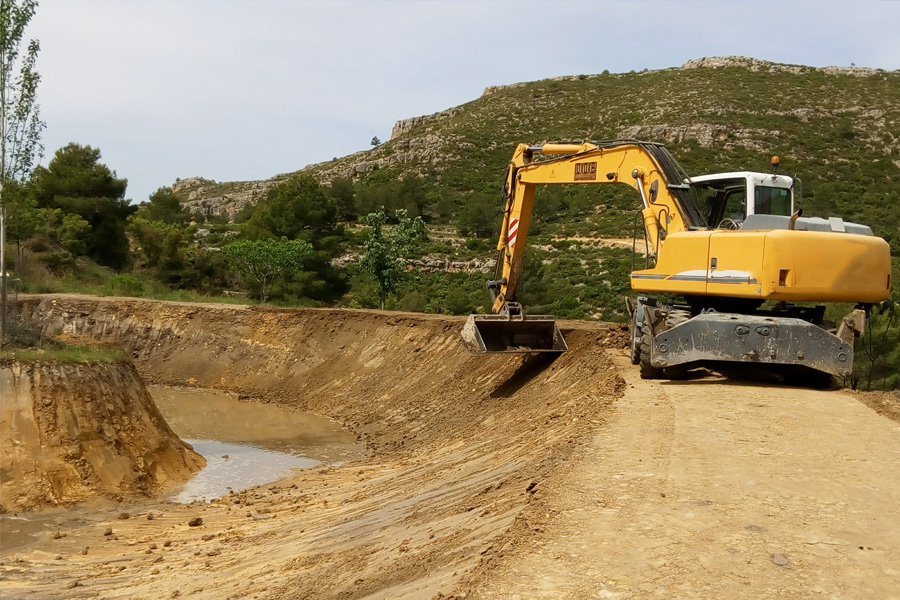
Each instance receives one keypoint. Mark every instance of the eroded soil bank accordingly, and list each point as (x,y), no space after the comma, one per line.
(73,432)
(461,448)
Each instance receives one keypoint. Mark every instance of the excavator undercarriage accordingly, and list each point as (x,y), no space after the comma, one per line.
(667,340)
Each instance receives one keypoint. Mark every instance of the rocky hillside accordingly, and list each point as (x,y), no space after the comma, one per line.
(838,128)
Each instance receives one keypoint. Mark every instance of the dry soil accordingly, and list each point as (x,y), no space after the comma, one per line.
(488,477)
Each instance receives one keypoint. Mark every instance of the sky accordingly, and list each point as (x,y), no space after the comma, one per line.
(235,90)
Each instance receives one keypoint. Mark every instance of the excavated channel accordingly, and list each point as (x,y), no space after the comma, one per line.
(461,453)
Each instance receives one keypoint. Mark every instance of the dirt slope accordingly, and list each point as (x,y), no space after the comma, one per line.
(459,444)
(497,478)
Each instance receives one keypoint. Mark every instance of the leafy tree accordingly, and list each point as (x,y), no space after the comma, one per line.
(411,196)
(296,208)
(372,196)
(344,198)
(165,206)
(22,126)
(76,172)
(55,230)
(72,230)
(375,141)
(166,248)
(300,208)
(265,260)
(879,342)
(20,123)
(385,248)
(408,194)
(480,216)
(76,182)
(21,218)
(444,202)
(458,302)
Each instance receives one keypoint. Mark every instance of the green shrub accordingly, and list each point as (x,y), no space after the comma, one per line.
(124,284)
(458,302)
(60,262)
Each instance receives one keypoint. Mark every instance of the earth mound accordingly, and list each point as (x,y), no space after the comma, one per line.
(77,431)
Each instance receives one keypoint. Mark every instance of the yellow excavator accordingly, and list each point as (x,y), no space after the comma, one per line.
(731,245)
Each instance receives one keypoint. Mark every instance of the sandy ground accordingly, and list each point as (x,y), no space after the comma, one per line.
(720,489)
(489,478)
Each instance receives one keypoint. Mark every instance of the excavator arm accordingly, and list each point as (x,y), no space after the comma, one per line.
(647,167)
(641,165)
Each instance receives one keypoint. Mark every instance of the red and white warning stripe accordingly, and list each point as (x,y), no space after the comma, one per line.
(513,230)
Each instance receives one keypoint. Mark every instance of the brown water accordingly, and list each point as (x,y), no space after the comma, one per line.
(245,444)
(248,443)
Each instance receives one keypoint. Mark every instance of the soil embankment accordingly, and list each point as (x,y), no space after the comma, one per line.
(73,432)
(461,448)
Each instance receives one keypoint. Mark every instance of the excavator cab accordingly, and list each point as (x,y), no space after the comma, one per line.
(728,199)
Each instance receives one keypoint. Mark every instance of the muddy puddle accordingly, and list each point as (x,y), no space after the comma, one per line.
(245,444)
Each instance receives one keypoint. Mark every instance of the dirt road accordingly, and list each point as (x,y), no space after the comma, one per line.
(501,478)
(720,489)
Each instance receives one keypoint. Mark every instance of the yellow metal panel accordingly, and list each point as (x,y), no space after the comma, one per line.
(681,267)
(827,267)
(735,264)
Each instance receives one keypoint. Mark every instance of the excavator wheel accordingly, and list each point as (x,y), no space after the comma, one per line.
(648,371)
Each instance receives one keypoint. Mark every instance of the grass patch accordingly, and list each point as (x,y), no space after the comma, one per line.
(58,351)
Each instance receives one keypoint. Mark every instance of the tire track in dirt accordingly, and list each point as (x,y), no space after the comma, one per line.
(718,488)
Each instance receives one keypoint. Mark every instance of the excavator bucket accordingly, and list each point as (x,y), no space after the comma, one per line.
(490,334)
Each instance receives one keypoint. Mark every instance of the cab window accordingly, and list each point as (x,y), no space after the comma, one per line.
(736,205)
(772,201)
(725,201)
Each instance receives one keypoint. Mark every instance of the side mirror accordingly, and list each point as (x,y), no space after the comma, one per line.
(797,187)
(654,190)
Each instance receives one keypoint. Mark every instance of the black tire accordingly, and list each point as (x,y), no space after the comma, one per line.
(648,371)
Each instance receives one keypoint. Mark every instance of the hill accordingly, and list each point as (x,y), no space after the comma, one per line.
(838,129)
